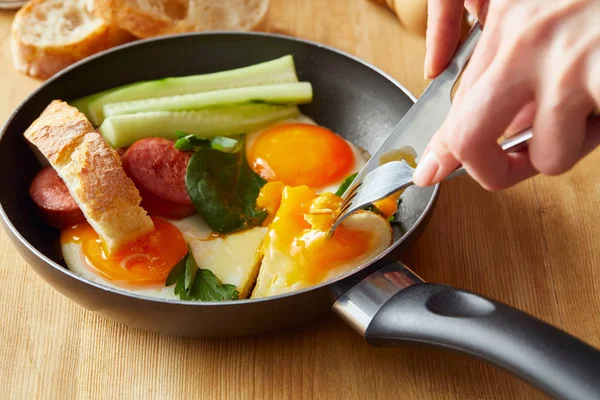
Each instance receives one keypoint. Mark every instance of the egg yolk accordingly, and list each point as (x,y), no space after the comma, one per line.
(389,205)
(300,230)
(301,154)
(146,261)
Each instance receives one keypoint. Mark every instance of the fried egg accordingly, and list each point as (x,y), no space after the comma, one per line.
(140,267)
(298,151)
(297,252)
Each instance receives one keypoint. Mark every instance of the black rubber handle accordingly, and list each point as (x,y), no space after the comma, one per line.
(438,315)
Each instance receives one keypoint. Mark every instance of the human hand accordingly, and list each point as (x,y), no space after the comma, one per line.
(537,63)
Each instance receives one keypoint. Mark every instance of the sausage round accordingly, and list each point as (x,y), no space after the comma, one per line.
(157,169)
(52,198)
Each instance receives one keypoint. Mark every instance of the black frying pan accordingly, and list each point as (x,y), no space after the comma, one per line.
(382,300)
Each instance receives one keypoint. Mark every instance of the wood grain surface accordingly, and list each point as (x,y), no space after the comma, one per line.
(535,246)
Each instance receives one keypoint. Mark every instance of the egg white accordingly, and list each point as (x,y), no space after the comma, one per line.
(76,262)
(192,228)
(360,156)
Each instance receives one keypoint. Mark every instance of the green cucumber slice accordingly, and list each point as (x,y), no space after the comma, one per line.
(280,70)
(285,93)
(124,130)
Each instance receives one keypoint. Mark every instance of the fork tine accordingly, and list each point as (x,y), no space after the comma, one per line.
(349,199)
(344,208)
(353,189)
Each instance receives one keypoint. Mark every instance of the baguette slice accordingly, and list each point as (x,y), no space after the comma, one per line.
(149,18)
(92,172)
(49,35)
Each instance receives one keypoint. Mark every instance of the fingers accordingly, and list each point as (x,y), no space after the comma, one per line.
(558,137)
(524,119)
(471,130)
(478,8)
(522,168)
(592,138)
(484,53)
(443,34)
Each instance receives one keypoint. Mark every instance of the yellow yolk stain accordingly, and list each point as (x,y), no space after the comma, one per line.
(389,205)
(300,230)
(269,199)
(301,154)
(146,261)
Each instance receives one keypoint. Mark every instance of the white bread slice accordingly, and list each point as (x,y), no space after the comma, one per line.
(148,18)
(49,35)
(92,172)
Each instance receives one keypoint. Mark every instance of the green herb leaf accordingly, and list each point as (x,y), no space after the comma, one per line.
(189,142)
(345,185)
(225,144)
(391,218)
(193,283)
(191,270)
(223,188)
(177,271)
(207,287)
(180,290)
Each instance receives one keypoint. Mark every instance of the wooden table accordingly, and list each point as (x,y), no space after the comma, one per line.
(535,246)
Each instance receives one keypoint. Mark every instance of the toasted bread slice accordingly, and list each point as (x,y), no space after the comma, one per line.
(148,18)
(49,35)
(92,172)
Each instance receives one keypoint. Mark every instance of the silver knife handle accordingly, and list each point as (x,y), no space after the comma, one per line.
(458,62)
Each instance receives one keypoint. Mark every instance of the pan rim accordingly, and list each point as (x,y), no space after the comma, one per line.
(123,293)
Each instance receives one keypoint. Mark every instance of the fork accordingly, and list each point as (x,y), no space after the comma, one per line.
(394,176)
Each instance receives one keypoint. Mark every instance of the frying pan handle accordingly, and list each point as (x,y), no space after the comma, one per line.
(442,316)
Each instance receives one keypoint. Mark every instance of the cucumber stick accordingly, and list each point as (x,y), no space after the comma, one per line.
(124,130)
(285,93)
(281,70)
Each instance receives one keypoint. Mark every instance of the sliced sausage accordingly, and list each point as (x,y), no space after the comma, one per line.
(55,203)
(157,169)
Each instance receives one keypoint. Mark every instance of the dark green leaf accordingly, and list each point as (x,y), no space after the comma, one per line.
(224,189)
(177,271)
(207,287)
(180,290)
(191,269)
(200,284)
(345,185)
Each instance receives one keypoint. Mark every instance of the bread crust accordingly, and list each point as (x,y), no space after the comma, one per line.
(41,61)
(92,172)
(128,15)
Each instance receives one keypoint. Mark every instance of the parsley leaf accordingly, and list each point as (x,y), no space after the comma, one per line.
(194,283)
(207,287)
(191,269)
(177,271)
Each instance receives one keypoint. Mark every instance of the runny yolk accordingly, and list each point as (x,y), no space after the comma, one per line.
(146,261)
(300,228)
(269,199)
(389,205)
(301,154)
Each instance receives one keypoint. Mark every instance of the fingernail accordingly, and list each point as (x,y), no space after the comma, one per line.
(426,170)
